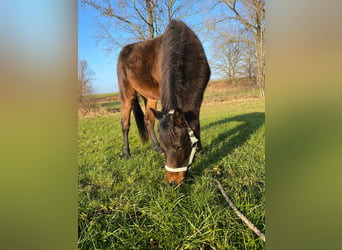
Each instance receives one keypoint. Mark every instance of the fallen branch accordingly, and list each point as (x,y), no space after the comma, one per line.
(240,215)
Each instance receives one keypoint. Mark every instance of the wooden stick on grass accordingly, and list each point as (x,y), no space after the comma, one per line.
(240,215)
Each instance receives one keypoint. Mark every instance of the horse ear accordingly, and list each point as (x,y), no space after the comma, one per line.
(178,117)
(157,114)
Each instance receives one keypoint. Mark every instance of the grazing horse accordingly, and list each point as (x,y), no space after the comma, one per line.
(173,68)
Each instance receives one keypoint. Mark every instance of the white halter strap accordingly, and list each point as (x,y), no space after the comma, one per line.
(176,170)
(194,141)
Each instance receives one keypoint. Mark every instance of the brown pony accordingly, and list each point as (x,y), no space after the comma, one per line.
(173,68)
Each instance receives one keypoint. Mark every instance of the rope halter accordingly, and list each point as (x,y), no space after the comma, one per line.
(193,140)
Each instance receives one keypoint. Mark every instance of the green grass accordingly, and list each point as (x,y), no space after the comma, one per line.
(109,101)
(111,105)
(127,204)
(105,95)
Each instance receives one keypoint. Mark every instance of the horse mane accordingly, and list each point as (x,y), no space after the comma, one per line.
(174,42)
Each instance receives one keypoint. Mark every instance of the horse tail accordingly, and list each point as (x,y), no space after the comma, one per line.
(139,119)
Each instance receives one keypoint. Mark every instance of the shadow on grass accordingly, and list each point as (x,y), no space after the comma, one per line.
(220,147)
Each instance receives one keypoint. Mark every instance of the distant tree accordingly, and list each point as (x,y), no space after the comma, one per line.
(85,88)
(229,59)
(249,67)
(242,22)
(251,15)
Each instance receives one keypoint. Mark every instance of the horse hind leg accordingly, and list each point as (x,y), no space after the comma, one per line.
(140,120)
(149,121)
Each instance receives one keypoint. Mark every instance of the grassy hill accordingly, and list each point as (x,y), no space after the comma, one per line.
(216,91)
(127,204)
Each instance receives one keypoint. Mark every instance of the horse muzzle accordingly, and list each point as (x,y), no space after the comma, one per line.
(175,178)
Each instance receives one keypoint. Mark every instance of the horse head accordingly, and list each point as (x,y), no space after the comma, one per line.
(179,144)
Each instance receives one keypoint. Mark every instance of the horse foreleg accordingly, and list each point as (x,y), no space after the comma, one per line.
(125,124)
(126,149)
(149,121)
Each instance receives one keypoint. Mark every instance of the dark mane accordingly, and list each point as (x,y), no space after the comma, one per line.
(174,40)
(182,58)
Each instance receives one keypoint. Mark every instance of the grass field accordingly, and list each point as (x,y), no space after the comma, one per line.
(126,204)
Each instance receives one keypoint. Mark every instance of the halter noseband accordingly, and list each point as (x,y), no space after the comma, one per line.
(194,141)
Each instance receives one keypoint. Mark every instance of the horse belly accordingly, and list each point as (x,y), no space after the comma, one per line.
(149,90)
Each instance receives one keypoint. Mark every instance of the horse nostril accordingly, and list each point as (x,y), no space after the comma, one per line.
(173,183)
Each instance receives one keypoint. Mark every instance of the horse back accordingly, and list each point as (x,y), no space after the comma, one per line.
(139,66)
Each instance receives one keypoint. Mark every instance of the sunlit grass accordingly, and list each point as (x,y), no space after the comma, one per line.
(126,204)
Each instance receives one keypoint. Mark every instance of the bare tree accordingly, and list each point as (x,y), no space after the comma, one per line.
(179,9)
(228,59)
(85,88)
(135,19)
(249,67)
(231,57)
(120,22)
(251,15)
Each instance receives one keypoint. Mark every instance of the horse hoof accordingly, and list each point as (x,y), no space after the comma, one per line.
(127,155)
(158,149)
(201,151)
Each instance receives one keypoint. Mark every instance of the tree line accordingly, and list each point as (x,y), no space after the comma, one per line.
(235,27)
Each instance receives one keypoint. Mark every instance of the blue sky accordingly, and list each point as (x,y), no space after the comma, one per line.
(102,63)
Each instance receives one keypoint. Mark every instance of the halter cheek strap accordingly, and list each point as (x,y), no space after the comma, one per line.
(193,140)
